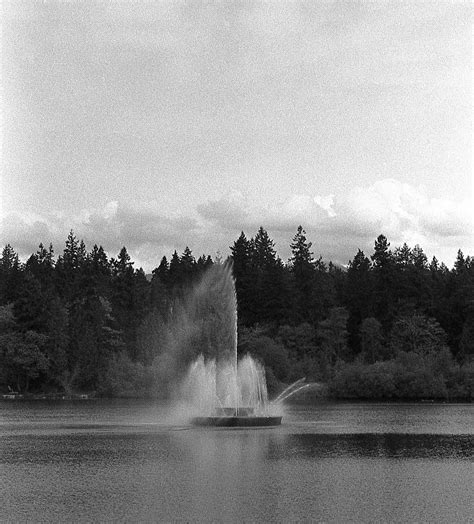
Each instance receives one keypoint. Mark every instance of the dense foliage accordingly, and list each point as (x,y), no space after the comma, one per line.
(392,325)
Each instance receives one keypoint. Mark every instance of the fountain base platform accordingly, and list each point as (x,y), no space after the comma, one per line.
(236,417)
(234,422)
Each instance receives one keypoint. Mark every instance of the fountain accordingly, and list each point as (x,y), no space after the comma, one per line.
(222,390)
(227,395)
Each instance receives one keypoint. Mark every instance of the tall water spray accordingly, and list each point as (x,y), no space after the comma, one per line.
(216,380)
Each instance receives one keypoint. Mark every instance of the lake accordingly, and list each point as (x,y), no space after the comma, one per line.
(135,461)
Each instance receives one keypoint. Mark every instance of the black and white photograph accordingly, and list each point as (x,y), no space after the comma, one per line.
(237,261)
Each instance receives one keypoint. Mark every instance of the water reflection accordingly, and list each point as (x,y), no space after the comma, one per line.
(389,445)
(332,465)
(227,469)
(214,452)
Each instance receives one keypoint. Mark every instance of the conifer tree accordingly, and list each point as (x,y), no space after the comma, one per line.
(403,256)
(123,298)
(420,260)
(301,262)
(302,266)
(245,277)
(264,254)
(202,265)
(241,256)
(70,269)
(382,257)
(161,271)
(174,273)
(358,296)
(41,265)
(98,271)
(460,263)
(384,284)
(187,267)
(10,275)
(271,300)
(159,296)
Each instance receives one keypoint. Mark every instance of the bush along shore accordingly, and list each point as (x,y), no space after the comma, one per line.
(388,326)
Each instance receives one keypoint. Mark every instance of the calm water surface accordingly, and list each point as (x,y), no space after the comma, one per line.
(124,461)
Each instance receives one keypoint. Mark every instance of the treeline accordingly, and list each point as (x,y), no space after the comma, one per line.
(390,325)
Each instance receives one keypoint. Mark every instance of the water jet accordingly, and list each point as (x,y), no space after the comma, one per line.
(221,389)
(230,395)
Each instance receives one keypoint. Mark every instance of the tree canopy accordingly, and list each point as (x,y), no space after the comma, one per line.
(82,320)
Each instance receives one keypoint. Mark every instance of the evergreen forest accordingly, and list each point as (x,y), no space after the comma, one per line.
(390,325)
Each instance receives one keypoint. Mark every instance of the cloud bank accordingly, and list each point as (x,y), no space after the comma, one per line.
(337,225)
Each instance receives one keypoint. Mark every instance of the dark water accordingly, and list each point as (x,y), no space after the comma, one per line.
(140,462)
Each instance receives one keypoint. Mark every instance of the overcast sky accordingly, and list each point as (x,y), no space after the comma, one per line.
(160,125)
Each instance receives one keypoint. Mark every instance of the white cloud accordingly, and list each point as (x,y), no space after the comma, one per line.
(339,225)
(326,203)
(336,224)
(398,208)
(146,234)
(240,213)
(228,211)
